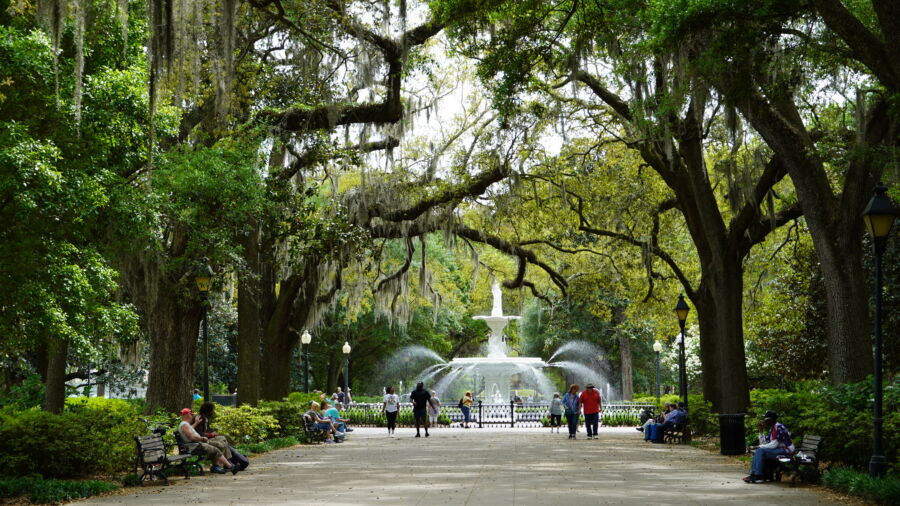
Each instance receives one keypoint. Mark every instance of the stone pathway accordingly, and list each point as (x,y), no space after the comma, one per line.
(478,467)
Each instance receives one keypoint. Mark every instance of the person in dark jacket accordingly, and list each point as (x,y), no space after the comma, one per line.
(419,398)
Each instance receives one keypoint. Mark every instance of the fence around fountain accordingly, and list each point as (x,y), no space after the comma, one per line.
(513,415)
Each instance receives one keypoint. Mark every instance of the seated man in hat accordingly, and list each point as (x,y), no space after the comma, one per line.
(776,442)
(219,462)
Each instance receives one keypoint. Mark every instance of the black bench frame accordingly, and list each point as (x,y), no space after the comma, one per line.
(154,459)
(312,432)
(678,434)
(795,465)
(194,455)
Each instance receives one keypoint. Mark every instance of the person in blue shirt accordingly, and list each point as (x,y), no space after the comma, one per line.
(676,417)
(572,409)
(197,395)
(335,416)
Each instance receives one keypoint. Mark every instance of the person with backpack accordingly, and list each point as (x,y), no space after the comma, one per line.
(572,409)
(465,405)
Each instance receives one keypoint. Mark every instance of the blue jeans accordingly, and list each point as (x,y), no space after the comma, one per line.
(761,456)
(323,426)
(649,430)
(591,422)
(466,412)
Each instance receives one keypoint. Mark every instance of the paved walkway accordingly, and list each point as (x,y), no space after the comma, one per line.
(478,467)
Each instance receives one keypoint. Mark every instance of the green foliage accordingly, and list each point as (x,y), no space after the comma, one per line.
(245,424)
(289,416)
(27,394)
(860,484)
(42,491)
(90,436)
(303,399)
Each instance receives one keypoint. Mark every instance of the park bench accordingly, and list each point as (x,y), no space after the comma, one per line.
(676,434)
(194,455)
(154,459)
(804,460)
(312,432)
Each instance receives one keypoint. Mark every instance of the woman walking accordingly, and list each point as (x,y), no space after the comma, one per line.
(465,405)
(570,404)
(390,409)
(434,408)
(556,411)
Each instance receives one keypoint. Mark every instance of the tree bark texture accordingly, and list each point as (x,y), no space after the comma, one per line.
(173,324)
(618,314)
(55,384)
(250,290)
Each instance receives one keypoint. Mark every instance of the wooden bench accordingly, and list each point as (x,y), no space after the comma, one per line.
(191,451)
(154,459)
(804,460)
(312,432)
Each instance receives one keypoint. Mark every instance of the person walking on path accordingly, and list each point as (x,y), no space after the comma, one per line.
(419,398)
(589,400)
(390,409)
(572,408)
(465,405)
(434,408)
(556,411)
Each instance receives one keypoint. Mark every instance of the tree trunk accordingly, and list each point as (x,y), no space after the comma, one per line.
(719,301)
(55,384)
(173,324)
(250,290)
(618,316)
(849,325)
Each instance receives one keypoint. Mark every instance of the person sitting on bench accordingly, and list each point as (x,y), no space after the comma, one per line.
(321,423)
(219,462)
(776,442)
(332,413)
(647,428)
(675,417)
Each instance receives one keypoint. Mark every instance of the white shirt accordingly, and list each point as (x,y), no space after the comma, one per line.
(190,429)
(391,402)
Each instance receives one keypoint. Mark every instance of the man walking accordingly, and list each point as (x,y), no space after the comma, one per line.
(590,405)
(419,398)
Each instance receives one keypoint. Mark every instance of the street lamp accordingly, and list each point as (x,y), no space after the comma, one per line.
(682,309)
(879,217)
(657,348)
(203,275)
(346,350)
(305,339)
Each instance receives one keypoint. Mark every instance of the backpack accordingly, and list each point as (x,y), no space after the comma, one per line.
(460,406)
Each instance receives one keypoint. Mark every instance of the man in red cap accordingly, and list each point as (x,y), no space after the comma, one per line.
(220,463)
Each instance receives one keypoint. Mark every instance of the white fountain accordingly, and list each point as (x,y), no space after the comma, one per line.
(498,367)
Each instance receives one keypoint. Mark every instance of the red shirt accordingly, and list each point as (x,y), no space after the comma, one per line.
(590,401)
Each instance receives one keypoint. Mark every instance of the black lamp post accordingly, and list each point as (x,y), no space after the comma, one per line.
(879,217)
(203,277)
(657,348)
(346,350)
(682,309)
(305,339)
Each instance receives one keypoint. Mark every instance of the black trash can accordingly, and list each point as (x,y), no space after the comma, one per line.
(731,434)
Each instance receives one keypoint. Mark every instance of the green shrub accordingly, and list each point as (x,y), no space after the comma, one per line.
(245,424)
(28,394)
(90,436)
(303,398)
(267,446)
(40,490)
(289,416)
(883,491)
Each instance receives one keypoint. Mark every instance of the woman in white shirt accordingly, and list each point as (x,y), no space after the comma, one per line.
(390,408)
(434,408)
